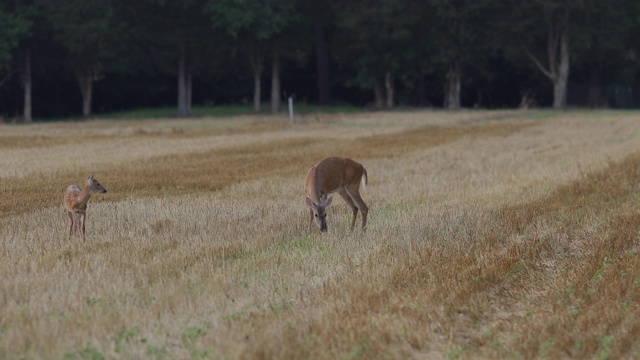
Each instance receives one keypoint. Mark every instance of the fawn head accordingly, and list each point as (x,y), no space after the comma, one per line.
(95,185)
(320,211)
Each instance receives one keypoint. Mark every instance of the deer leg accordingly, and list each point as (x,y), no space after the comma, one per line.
(83,217)
(353,207)
(76,224)
(70,227)
(354,194)
(310,221)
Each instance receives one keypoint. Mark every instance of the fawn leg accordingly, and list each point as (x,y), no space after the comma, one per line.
(70,227)
(83,217)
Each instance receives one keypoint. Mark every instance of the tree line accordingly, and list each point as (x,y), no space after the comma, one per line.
(60,57)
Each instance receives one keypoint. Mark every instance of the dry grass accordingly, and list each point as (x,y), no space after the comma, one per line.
(491,234)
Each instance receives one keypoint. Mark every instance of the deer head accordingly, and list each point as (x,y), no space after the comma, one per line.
(95,185)
(320,211)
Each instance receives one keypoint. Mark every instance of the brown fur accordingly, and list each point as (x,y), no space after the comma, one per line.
(335,174)
(75,203)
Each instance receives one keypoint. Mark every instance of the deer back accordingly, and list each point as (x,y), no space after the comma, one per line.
(332,174)
(70,196)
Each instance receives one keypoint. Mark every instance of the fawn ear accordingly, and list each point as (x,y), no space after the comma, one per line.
(328,202)
(309,202)
(90,177)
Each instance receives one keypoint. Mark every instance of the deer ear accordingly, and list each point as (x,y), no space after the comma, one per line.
(328,202)
(309,202)
(90,177)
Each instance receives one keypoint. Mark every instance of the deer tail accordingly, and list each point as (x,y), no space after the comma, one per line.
(365,178)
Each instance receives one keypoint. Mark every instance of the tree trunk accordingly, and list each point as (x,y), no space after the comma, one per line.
(452,87)
(378,89)
(562,76)
(27,82)
(594,97)
(85,77)
(86,101)
(322,57)
(183,96)
(275,84)
(557,56)
(87,94)
(422,91)
(256,64)
(189,90)
(388,84)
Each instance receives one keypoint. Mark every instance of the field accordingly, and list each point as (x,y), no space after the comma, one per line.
(491,234)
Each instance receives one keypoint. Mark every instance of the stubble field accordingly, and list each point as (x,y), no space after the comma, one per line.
(491,234)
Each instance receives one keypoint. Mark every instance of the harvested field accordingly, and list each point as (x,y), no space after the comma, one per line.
(491,234)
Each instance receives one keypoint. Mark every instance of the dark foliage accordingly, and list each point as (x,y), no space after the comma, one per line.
(356,52)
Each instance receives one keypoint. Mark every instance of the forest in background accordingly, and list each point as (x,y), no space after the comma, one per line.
(72,58)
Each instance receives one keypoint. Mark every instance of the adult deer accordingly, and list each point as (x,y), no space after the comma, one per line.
(335,174)
(75,202)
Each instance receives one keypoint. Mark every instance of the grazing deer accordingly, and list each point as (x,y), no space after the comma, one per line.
(75,202)
(335,174)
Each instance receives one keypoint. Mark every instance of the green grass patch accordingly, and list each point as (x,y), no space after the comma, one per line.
(303,244)
(172,112)
(225,111)
(168,112)
(303,109)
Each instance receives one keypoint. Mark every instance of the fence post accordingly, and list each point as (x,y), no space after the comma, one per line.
(291,118)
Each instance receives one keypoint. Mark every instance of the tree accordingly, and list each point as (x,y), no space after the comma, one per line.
(154,52)
(320,16)
(376,42)
(12,27)
(15,26)
(463,38)
(602,35)
(193,35)
(175,37)
(424,39)
(322,61)
(554,37)
(257,27)
(88,30)
(166,38)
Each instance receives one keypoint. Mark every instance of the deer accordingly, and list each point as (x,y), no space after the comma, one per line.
(335,174)
(75,203)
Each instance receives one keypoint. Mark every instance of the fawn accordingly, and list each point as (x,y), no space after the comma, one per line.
(75,202)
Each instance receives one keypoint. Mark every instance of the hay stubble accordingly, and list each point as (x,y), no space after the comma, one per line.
(491,235)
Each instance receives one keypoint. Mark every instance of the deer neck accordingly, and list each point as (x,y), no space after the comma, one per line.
(314,192)
(315,197)
(84,195)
